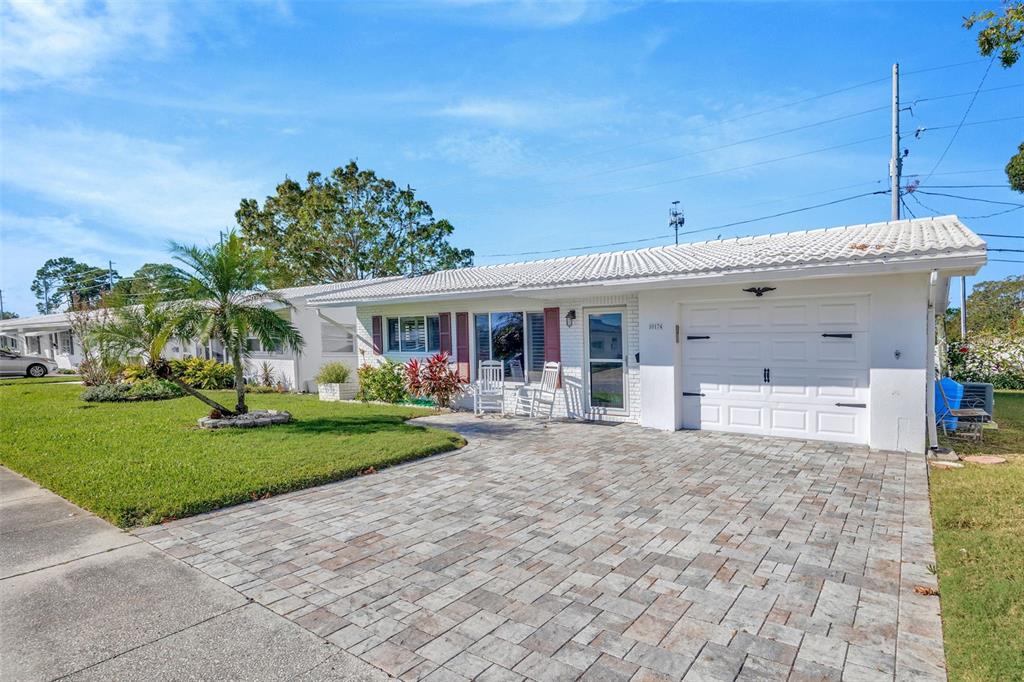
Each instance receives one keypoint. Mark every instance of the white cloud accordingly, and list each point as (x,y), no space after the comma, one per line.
(144,186)
(494,155)
(28,241)
(543,14)
(47,42)
(534,113)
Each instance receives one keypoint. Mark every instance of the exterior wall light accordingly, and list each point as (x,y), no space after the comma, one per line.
(570,317)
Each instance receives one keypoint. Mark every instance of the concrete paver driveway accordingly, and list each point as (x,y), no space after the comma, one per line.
(564,551)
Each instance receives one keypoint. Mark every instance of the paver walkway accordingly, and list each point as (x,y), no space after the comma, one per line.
(563,551)
(82,600)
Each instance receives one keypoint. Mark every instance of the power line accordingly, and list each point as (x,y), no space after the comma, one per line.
(903,202)
(1004,260)
(688,232)
(1008,250)
(992,215)
(958,196)
(966,186)
(963,119)
(1001,236)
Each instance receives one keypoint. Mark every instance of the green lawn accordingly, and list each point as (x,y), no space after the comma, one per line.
(978,514)
(141,463)
(48,379)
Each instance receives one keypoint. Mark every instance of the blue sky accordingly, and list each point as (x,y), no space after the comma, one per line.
(531,126)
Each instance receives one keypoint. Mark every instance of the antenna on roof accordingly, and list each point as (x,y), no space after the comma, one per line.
(676,219)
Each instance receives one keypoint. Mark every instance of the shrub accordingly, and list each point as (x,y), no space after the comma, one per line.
(65,370)
(132,373)
(435,380)
(154,389)
(384,382)
(203,374)
(333,373)
(146,389)
(988,359)
(106,393)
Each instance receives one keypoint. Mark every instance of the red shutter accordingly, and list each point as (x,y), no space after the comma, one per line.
(462,344)
(552,332)
(552,337)
(445,323)
(378,335)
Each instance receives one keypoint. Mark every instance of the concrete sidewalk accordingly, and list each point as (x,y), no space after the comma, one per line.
(81,599)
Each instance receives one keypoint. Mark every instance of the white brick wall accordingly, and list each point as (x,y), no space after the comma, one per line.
(572,400)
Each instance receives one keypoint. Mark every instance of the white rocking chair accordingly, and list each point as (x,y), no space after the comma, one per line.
(489,389)
(534,396)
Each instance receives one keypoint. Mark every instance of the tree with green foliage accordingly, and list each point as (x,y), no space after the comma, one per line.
(350,224)
(1003,33)
(230,305)
(61,282)
(8,315)
(141,331)
(995,307)
(162,279)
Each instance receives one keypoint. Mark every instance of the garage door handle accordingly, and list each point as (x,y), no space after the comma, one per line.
(693,395)
(838,336)
(691,338)
(851,404)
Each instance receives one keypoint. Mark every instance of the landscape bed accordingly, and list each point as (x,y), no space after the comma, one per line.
(977,516)
(145,462)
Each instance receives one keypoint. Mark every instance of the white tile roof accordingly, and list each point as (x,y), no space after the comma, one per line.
(904,240)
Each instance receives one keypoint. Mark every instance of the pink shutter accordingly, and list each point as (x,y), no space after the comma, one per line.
(378,334)
(445,323)
(462,344)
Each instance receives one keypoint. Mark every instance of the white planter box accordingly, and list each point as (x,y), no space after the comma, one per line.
(334,392)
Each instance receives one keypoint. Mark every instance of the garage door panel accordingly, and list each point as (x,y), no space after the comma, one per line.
(744,350)
(809,372)
(793,420)
(749,416)
(838,425)
(745,316)
(790,315)
(852,313)
(788,349)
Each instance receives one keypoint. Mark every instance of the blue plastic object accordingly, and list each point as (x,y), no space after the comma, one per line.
(954,395)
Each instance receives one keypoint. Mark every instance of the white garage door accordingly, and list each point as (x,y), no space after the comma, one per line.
(784,367)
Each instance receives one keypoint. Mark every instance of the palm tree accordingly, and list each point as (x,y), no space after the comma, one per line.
(229,304)
(144,329)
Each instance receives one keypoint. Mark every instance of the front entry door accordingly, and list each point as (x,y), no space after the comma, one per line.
(606,360)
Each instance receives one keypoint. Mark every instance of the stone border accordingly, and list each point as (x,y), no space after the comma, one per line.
(247,421)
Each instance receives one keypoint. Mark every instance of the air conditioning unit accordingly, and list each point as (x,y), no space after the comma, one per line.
(979,395)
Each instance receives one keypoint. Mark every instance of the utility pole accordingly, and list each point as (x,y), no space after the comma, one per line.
(895,163)
(963,308)
(46,295)
(1,304)
(110,275)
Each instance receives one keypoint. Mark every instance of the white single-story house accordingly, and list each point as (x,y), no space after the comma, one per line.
(825,334)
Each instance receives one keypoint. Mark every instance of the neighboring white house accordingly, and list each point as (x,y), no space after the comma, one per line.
(328,335)
(825,334)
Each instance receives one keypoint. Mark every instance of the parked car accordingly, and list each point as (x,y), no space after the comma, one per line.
(16,364)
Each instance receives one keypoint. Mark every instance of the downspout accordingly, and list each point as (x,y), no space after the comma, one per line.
(933,432)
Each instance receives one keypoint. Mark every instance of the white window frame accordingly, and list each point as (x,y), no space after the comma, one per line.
(67,348)
(255,347)
(475,346)
(426,333)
